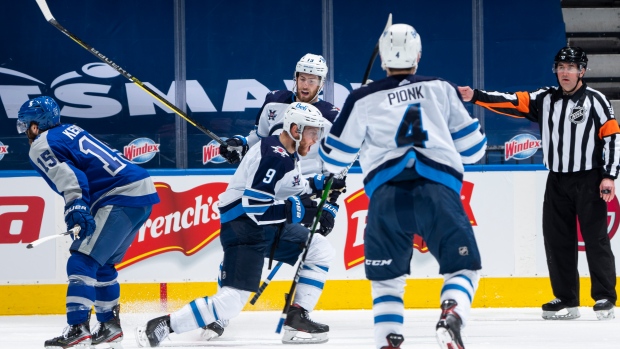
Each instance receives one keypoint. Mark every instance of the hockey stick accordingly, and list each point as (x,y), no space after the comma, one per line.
(265,283)
(75,231)
(48,16)
(289,295)
(375,52)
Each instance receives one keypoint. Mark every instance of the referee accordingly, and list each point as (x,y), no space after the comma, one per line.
(582,152)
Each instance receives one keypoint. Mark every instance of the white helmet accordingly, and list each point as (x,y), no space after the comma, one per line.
(302,114)
(400,46)
(312,64)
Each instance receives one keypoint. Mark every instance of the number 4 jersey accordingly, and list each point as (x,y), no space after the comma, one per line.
(400,122)
(79,166)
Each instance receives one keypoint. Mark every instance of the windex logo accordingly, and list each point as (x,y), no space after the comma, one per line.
(86,93)
(20,218)
(211,153)
(4,149)
(521,147)
(141,150)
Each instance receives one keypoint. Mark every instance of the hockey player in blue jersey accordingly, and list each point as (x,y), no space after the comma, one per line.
(309,78)
(414,134)
(262,212)
(108,197)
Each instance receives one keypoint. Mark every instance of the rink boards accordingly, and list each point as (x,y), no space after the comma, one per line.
(176,255)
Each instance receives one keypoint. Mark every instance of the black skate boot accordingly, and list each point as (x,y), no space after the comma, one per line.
(394,341)
(73,336)
(109,332)
(298,320)
(553,311)
(449,327)
(214,330)
(604,309)
(155,331)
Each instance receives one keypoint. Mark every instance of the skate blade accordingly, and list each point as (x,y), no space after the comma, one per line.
(571,314)
(208,335)
(292,336)
(605,314)
(445,340)
(141,338)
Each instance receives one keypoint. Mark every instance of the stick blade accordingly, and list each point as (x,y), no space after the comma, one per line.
(45,9)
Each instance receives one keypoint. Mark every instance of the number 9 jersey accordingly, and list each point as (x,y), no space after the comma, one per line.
(400,122)
(79,166)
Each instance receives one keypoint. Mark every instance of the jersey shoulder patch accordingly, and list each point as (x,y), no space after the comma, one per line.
(272,151)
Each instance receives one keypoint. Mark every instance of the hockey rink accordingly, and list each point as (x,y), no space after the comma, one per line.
(515,328)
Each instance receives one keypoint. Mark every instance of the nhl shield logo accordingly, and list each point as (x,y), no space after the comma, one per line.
(577,115)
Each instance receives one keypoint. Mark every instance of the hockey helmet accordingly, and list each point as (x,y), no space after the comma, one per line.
(302,115)
(571,55)
(312,64)
(400,47)
(44,111)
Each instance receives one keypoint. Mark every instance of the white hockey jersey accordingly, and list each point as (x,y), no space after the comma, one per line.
(269,121)
(265,178)
(400,122)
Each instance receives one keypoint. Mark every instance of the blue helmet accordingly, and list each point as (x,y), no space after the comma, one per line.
(44,111)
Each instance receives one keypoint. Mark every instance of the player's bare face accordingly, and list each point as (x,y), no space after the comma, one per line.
(568,75)
(310,136)
(307,87)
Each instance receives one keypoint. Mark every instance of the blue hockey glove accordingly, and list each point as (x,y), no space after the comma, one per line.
(328,218)
(78,213)
(235,149)
(317,183)
(300,209)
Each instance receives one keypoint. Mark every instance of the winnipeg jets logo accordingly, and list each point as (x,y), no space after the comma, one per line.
(577,115)
(280,150)
(296,181)
(272,115)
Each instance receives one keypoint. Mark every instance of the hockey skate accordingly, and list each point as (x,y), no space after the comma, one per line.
(214,330)
(109,332)
(300,329)
(155,331)
(554,311)
(604,309)
(448,329)
(394,341)
(74,336)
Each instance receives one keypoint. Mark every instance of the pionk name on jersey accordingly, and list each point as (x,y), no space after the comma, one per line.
(405,95)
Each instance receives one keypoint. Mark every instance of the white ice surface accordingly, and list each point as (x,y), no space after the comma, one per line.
(516,328)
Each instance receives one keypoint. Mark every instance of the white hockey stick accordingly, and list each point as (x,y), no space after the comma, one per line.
(48,16)
(375,52)
(75,231)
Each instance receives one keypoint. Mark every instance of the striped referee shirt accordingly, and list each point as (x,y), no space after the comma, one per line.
(579,132)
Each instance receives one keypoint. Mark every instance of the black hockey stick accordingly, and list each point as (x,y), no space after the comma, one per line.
(375,52)
(265,283)
(48,16)
(291,292)
(75,231)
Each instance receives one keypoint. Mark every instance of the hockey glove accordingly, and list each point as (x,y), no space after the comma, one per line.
(234,150)
(328,218)
(317,183)
(300,209)
(78,213)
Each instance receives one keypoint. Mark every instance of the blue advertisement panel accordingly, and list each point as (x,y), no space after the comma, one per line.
(236,52)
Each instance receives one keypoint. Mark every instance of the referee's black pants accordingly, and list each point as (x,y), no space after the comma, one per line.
(570,195)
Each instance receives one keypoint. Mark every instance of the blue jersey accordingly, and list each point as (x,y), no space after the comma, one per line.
(78,166)
(400,122)
(270,118)
(265,178)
